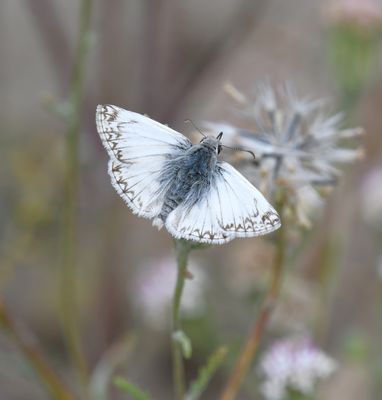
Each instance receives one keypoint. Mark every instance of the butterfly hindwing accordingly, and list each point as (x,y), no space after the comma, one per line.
(138,148)
(231,207)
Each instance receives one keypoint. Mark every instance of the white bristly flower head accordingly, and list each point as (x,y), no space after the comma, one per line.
(293,364)
(153,286)
(296,142)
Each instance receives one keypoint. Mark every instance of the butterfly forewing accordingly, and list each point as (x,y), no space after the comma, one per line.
(138,148)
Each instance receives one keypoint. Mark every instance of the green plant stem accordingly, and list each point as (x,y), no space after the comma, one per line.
(250,347)
(52,382)
(182,251)
(68,279)
(295,395)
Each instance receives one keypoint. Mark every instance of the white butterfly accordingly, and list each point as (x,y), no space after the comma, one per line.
(161,175)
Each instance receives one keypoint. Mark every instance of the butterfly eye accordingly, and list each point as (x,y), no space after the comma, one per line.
(219,148)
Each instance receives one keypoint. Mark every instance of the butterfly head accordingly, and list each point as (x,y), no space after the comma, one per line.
(212,143)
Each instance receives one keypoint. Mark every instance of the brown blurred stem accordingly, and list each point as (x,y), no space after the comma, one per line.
(53,36)
(68,282)
(221,49)
(250,347)
(47,17)
(182,248)
(51,381)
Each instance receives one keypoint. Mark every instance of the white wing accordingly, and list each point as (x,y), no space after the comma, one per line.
(138,148)
(232,207)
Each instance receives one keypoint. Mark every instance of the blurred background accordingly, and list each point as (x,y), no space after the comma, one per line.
(109,273)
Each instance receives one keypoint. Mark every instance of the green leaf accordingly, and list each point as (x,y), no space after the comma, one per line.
(185,343)
(206,373)
(130,388)
(104,371)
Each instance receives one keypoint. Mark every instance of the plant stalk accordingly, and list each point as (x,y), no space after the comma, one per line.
(182,248)
(68,278)
(51,381)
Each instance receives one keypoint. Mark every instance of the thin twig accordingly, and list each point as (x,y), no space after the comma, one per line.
(151,52)
(235,32)
(47,17)
(182,251)
(256,333)
(111,50)
(51,381)
(54,37)
(68,283)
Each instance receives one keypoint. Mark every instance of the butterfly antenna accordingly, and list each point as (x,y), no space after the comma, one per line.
(240,149)
(189,121)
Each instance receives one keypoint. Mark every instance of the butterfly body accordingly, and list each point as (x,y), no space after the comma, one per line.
(162,176)
(189,177)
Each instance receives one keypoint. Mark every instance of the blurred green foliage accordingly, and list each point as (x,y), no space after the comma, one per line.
(353,53)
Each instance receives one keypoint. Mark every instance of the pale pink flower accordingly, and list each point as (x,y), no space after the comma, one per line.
(363,14)
(153,286)
(293,363)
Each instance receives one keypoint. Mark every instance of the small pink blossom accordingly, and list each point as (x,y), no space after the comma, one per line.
(360,13)
(294,363)
(153,288)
